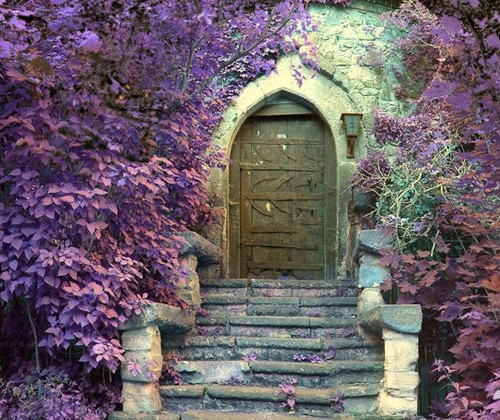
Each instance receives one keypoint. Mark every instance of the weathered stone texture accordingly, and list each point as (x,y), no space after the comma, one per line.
(371,272)
(143,339)
(138,397)
(368,299)
(374,241)
(150,366)
(188,288)
(401,351)
(169,319)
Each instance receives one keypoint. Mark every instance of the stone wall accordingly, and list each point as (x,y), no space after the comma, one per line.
(351,79)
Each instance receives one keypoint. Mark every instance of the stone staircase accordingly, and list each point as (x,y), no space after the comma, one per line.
(269,349)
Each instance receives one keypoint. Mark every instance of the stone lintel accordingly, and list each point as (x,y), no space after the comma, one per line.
(169,319)
(206,252)
(401,318)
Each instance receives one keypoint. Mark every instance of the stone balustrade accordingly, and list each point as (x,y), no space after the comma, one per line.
(397,325)
(143,334)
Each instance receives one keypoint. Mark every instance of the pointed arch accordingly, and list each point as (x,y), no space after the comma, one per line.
(324,99)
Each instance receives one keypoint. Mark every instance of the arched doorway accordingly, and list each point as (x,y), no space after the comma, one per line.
(282,194)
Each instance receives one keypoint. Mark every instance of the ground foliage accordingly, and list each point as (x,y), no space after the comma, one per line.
(106,115)
(438,194)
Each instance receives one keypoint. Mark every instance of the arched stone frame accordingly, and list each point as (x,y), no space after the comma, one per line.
(328,100)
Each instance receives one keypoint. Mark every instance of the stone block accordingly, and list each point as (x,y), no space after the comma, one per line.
(369,298)
(140,397)
(362,202)
(120,415)
(208,371)
(189,262)
(374,241)
(401,351)
(150,366)
(169,319)
(406,319)
(389,405)
(142,339)
(401,384)
(205,251)
(372,275)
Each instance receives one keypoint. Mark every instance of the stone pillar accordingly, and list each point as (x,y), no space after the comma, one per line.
(141,369)
(197,255)
(141,340)
(398,326)
(189,287)
(401,380)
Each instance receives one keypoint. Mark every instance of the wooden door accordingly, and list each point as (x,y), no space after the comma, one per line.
(278,197)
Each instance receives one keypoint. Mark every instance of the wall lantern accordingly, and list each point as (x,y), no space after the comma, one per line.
(351,122)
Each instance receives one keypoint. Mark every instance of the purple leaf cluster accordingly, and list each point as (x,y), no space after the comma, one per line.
(106,119)
(315,358)
(288,388)
(53,393)
(250,357)
(445,178)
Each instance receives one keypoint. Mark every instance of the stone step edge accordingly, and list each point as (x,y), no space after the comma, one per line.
(314,396)
(224,299)
(282,343)
(238,415)
(289,368)
(273,284)
(277,321)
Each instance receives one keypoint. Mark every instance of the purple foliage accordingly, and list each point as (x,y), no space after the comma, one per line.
(250,357)
(54,393)
(288,387)
(106,120)
(448,206)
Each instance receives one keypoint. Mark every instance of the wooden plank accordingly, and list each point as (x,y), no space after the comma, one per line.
(283,265)
(270,244)
(274,141)
(281,196)
(280,167)
(275,229)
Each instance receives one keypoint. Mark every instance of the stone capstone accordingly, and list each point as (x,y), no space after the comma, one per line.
(406,319)
(205,251)
(169,319)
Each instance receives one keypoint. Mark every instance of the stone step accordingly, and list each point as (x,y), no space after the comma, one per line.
(278,349)
(162,415)
(277,326)
(356,399)
(265,373)
(233,415)
(280,305)
(275,288)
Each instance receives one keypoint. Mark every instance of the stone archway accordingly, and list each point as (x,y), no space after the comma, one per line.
(327,101)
